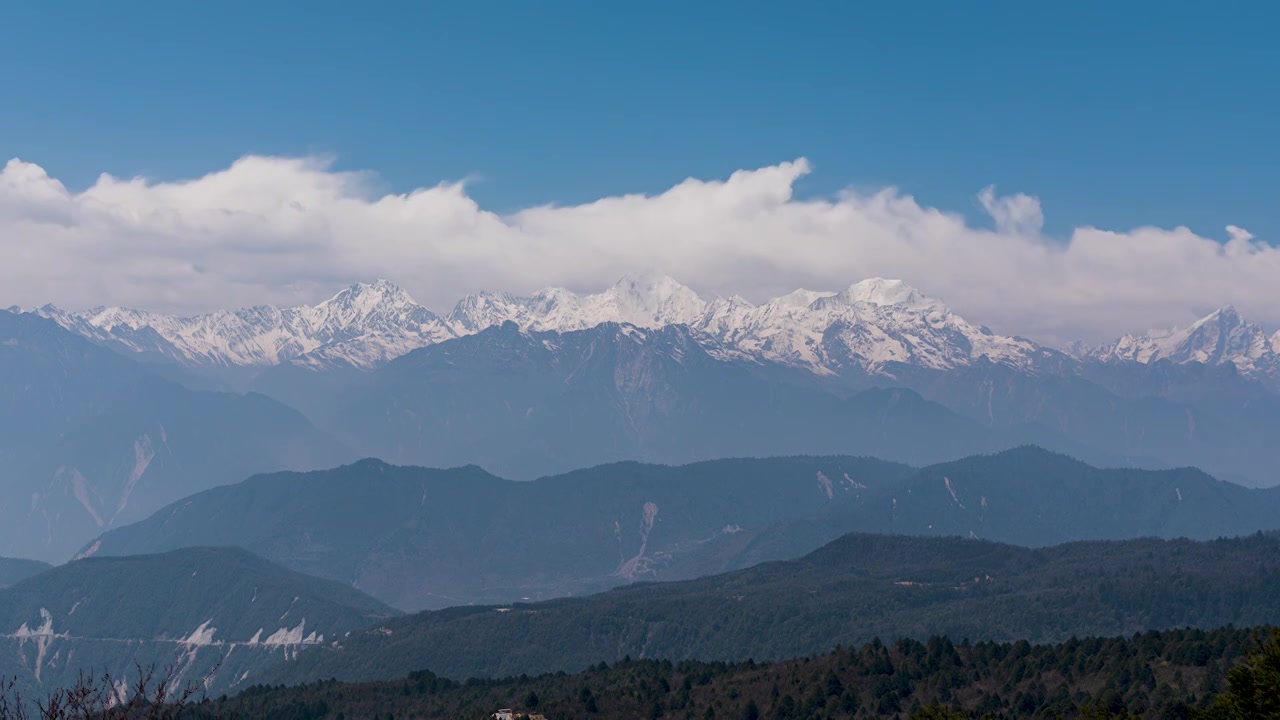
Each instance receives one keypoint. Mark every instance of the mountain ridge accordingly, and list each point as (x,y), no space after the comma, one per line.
(867,325)
(898,587)
(420,538)
(1219,338)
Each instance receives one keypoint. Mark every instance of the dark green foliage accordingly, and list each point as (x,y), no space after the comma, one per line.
(1254,686)
(933,680)
(857,588)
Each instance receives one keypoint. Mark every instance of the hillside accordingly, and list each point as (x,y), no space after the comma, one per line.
(421,538)
(90,439)
(1025,496)
(14,570)
(854,589)
(216,613)
(560,401)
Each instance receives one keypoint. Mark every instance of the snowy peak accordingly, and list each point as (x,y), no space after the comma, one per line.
(652,301)
(1218,337)
(645,301)
(1221,337)
(882,291)
(800,298)
(363,300)
(478,311)
(381,306)
(868,327)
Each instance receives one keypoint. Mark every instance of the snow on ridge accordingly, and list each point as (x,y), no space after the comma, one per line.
(1219,338)
(360,325)
(800,298)
(288,636)
(870,324)
(883,291)
(202,635)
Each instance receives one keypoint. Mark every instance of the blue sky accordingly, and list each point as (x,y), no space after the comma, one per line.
(1113,114)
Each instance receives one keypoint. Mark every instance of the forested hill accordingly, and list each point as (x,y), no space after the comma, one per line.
(1154,675)
(854,589)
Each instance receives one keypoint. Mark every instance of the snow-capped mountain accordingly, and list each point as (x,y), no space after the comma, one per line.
(646,301)
(1220,338)
(873,326)
(363,325)
(868,326)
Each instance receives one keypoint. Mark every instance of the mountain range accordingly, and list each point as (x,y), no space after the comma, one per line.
(420,538)
(103,424)
(1220,338)
(656,373)
(529,403)
(872,326)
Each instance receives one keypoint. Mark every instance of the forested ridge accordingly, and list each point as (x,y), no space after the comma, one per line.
(853,589)
(1158,675)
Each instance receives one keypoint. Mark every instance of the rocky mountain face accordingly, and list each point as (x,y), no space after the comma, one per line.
(217,616)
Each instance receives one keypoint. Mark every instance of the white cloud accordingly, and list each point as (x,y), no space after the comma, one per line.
(292,230)
(1014,214)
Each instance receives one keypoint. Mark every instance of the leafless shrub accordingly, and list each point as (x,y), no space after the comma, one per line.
(150,696)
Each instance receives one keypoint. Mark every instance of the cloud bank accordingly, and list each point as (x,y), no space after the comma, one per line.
(293,230)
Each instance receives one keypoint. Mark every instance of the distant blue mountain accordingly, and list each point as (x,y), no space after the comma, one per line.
(91,439)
